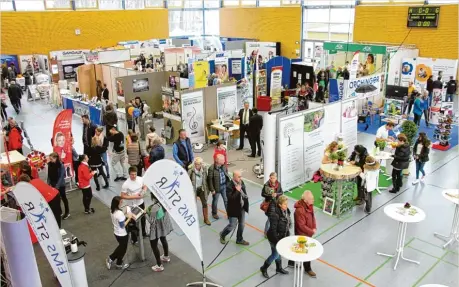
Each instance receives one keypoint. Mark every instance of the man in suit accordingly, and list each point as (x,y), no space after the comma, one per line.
(89,130)
(255,126)
(244,116)
(105,93)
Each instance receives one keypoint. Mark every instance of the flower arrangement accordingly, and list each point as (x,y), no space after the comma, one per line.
(341,157)
(333,156)
(302,240)
(381,144)
(407,205)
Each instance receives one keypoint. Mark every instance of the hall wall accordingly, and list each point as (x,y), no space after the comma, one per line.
(26,33)
(387,24)
(280,24)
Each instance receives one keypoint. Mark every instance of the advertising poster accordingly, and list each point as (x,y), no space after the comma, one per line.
(227,101)
(193,116)
(201,72)
(43,223)
(408,72)
(119,90)
(221,68)
(140,85)
(276,83)
(314,143)
(43,63)
(444,68)
(349,122)
(70,70)
(423,70)
(354,66)
(8,59)
(23,61)
(191,81)
(260,52)
(290,150)
(370,86)
(62,139)
(393,107)
(236,67)
(68,54)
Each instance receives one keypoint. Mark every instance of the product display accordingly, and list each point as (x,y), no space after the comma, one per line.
(443,130)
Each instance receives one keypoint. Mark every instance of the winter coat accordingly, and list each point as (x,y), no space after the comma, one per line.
(213,178)
(15,93)
(95,156)
(424,155)
(279,223)
(238,202)
(267,194)
(56,174)
(402,157)
(451,87)
(156,153)
(305,221)
(192,175)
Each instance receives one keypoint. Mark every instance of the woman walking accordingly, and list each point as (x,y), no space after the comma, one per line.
(85,174)
(96,162)
(418,109)
(135,154)
(198,176)
(401,161)
(56,179)
(421,152)
(271,191)
(103,142)
(425,107)
(369,180)
(280,222)
(160,227)
(120,221)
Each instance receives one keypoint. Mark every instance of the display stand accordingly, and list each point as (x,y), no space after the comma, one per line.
(443,133)
(453,196)
(393,211)
(76,262)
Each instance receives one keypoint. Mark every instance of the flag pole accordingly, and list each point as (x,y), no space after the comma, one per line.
(204,282)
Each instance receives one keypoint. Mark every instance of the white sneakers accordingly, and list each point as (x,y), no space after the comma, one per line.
(157,268)
(166,259)
(419,180)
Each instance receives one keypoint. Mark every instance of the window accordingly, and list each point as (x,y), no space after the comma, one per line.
(185,23)
(227,3)
(57,4)
(29,5)
(110,5)
(212,22)
(291,2)
(248,3)
(6,5)
(192,3)
(342,15)
(134,4)
(154,3)
(211,3)
(174,3)
(317,15)
(269,3)
(86,4)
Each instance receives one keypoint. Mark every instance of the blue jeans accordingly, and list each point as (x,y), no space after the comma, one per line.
(430,98)
(267,226)
(449,97)
(274,254)
(215,198)
(233,221)
(420,168)
(105,159)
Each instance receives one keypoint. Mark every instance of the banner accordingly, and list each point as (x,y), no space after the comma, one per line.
(62,140)
(193,116)
(68,54)
(9,59)
(172,186)
(236,67)
(227,101)
(354,66)
(349,122)
(221,68)
(201,72)
(408,72)
(276,84)
(260,51)
(373,81)
(44,225)
(24,60)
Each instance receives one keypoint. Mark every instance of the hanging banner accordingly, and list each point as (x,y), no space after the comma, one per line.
(354,66)
(227,101)
(10,59)
(276,84)
(221,68)
(372,87)
(349,122)
(236,67)
(408,72)
(68,54)
(193,116)
(172,186)
(44,225)
(260,52)
(62,140)
(201,72)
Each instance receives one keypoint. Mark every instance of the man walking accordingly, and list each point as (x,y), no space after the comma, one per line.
(15,94)
(255,126)
(244,117)
(217,178)
(238,205)
(451,88)
(119,154)
(182,150)
(89,131)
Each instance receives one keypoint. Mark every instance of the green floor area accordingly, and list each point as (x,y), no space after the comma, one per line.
(316,189)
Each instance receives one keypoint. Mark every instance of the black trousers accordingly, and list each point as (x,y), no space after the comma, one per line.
(397,178)
(254,142)
(368,201)
(306,265)
(131,125)
(4,114)
(143,220)
(76,164)
(120,250)
(64,200)
(154,247)
(360,189)
(426,117)
(87,196)
(417,119)
(100,173)
(55,205)
(409,105)
(243,129)
(16,105)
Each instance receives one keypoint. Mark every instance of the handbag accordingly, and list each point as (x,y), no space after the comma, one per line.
(264,205)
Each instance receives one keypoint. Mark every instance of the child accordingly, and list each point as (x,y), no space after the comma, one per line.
(369,177)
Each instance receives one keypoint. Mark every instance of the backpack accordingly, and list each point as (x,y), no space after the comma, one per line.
(14,139)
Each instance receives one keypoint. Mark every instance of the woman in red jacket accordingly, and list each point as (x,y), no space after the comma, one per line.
(84,183)
(305,223)
(220,149)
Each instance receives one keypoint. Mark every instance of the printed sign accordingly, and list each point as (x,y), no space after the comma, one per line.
(193,116)
(227,101)
(62,139)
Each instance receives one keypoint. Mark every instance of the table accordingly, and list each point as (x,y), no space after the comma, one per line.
(15,157)
(76,262)
(433,285)
(398,120)
(391,211)
(383,155)
(81,108)
(284,249)
(346,173)
(454,233)
(230,131)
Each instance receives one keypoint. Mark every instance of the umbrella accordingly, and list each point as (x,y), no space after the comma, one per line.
(363,89)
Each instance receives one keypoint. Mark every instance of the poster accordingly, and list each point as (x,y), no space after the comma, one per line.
(8,59)
(43,63)
(426,67)
(193,116)
(140,85)
(290,150)
(393,107)
(408,72)
(70,70)
(354,66)
(236,67)
(62,139)
(227,101)
(276,84)
(314,142)
(119,90)
(68,54)
(24,60)
(44,225)
(260,52)
(80,108)
(201,72)
(349,122)
(172,186)
(221,68)
(373,83)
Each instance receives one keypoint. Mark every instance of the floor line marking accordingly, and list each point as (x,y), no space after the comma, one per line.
(430,269)
(246,278)
(434,245)
(418,250)
(224,260)
(334,225)
(255,202)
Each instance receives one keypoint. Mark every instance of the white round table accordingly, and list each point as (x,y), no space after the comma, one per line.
(383,156)
(433,285)
(284,248)
(453,196)
(394,211)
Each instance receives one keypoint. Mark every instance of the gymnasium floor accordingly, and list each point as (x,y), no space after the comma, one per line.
(350,243)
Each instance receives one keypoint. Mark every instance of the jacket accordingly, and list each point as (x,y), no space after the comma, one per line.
(84,176)
(424,155)
(213,178)
(362,158)
(279,223)
(134,153)
(429,85)
(192,175)
(105,94)
(370,179)
(241,115)
(110,118)
(417,108)
(238,202)
(267,191)
(402,157)
(437,85)
(56,174)
(15,138)
(180,153)
(305,220)
(156,153)
(451,87)
(95,156)
(15,93)
(90,132)
(255,124)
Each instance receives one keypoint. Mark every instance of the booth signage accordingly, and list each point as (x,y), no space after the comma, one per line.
(62,139)
(68,54)
(80,108)
(334,47)
(423,17)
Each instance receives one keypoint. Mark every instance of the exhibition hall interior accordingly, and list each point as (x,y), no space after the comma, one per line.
(229,143)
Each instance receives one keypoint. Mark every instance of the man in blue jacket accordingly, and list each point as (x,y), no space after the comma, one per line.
(182,150)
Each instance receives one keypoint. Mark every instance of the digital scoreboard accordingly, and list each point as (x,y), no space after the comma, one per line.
(423,17)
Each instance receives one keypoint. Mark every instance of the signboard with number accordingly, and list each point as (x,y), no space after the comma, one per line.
(423,17)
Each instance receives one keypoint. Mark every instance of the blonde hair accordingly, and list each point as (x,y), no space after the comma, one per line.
(197,160)
(95,141)
(273,174)
(100,129)
(332,145)
(282,199)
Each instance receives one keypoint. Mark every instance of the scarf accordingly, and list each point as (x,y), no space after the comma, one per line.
(275,186)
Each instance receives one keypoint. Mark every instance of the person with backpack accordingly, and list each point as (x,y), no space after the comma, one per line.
(13,133)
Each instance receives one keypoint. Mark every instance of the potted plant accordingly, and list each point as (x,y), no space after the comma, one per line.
(341,157)
(302,240)
(334,158)
(410,129)
(380,145)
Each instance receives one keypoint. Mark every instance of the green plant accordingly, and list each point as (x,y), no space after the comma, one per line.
(410,129)
(341,155)
(333,156)
(381,144)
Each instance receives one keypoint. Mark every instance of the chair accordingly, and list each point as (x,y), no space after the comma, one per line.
(211,138)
